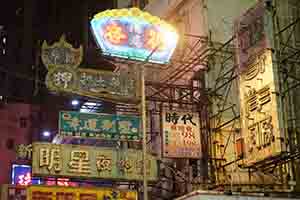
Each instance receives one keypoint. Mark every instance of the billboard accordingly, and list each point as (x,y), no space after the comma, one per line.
(73,193)
(134,34)
(100,126)
(261,113)
(181,134)
(63,76)
(261,120)
(253,31)
(88,162)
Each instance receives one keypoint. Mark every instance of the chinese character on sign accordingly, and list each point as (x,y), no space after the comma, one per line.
(125,166)
(267,132)
(107,125)
(80,162)
(172,117)
(115,82)
(65,196)
(255,100)
(91,124)
(24,151)
(112,196)
(62,79)
(88,197)
(37,195)
(261,134)
(24,179)
(188,117)
(103,163)
(50,158)
(140,166)
(74,123)
(264,96)
(125,126)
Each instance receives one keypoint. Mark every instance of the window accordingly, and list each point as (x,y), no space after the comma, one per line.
(23,122)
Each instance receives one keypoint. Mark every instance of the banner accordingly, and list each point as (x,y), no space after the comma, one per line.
(101,126)
(76,161)
(64,76)
(181,135)
(69,193)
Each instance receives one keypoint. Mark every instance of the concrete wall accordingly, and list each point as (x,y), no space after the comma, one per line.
(221,16)
(12,134)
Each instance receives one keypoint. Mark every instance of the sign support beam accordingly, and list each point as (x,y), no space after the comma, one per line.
(143,113)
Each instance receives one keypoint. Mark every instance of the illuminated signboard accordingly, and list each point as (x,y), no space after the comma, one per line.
(99,84)
(77,161)
(260,111)
(181,135)
(63,76)
(61,54)
(72,193)
(103,126)
(134,34)
(21,175)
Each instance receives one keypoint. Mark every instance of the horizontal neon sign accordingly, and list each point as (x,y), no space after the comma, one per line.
(133,34)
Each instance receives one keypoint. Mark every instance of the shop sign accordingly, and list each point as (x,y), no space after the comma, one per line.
(100,126)
(73,193)
(181,135)
(21,175)
(261,114)
(134,34)
(24,151)
(64,76)
(77,161)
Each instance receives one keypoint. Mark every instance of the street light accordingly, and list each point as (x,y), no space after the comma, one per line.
(46,134)
(75,102)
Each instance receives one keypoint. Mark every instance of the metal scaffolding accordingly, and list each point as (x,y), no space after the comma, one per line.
(224,111)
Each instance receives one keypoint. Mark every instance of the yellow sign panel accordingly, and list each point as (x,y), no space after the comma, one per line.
(69,193)
(90,162)
(260,111)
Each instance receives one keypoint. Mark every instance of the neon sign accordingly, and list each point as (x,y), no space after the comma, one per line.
(24,179)
(134,34)
(21,175)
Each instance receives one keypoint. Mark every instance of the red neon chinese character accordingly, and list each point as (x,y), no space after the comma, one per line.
(24,179)
(115,33)
(173,127)
(189,129)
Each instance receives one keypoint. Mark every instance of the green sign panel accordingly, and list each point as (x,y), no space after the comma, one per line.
(102,126)
(62,160)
